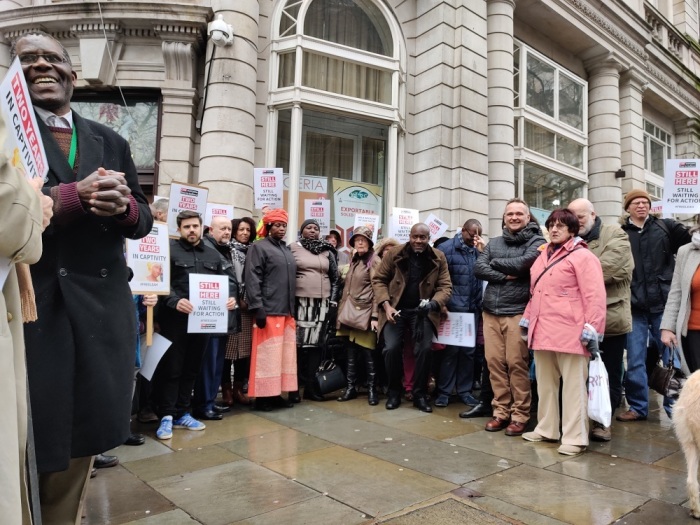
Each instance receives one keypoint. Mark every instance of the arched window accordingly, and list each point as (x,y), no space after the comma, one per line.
(340,65)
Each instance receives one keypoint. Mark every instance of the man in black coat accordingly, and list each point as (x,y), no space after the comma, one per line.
(80,352)
(177,371)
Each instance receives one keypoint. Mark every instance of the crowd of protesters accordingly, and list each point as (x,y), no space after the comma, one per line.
(537,297)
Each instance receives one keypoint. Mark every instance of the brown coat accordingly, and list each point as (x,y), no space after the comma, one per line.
(389,281)
(20,231)
(358,284)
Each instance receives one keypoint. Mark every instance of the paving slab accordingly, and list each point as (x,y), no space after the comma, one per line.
(320,509)
(174,517)
(275,445)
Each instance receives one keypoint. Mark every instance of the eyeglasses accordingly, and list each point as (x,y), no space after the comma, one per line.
(637,204)
(32,58)
(557,226)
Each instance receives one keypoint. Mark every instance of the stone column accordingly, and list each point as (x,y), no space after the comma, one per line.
(180,45)
(604,154)
(632,87)
(228,123)
(501,136)
(294,171)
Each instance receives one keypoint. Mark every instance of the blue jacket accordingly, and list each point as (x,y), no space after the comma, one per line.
(467,290)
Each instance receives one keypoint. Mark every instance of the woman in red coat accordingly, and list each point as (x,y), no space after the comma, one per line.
(567,292)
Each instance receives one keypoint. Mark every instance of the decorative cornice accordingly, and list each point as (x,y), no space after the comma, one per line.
(96,29)
(673,86)
(179,32)
(610,28)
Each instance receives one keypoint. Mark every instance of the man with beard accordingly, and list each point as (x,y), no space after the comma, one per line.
(411,286)
(612,247)
(176,373)
(80,351)
(209,379)
(505,264)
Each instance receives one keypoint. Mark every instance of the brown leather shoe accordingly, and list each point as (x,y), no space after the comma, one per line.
(630,416)
(496,424)
(516,428)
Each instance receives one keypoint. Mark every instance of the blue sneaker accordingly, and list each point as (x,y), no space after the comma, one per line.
(470,400)
(188,422)
(165,430)
(442,401)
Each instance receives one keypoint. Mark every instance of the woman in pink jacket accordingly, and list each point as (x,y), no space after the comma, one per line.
(567,292)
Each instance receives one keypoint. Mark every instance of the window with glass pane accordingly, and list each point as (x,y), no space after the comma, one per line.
(540,85)
(353,23)
(287,66)
(288,22)
(570,102)
(329,155)
(549,190)
(284,133)
(570,152)
(137,123)
(373,160)
(539,139)
(346,78)
(516,75)
(657,148)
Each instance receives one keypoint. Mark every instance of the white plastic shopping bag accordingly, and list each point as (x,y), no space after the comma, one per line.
(599,408)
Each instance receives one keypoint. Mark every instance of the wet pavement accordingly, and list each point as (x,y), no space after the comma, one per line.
(350,463)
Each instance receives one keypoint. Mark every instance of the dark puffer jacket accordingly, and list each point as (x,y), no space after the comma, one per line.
(466,288)
(512,254)
(654,252)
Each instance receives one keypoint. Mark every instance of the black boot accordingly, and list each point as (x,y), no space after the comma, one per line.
(372,394)
(351,391)
(313,360)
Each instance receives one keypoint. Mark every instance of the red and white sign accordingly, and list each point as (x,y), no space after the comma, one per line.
(24,147)
(208,295)
(216,209)
(185,197)
(319,209)
(268,186)
(149,259)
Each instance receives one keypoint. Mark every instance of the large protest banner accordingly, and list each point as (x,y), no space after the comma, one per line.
(185,197)
(24,147)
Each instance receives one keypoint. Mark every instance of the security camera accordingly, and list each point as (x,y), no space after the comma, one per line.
(220,32)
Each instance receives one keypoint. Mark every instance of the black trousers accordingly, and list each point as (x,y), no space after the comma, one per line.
(691,349)
(177,371)
(612,354)
(394,336)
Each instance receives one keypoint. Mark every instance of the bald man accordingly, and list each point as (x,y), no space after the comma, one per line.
(209,378)
(611,245)
(411,286)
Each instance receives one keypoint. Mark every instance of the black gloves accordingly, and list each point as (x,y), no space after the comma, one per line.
(429,306)
(260,318)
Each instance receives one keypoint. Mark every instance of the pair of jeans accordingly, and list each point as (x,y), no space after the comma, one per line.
(456,371)
(209,378)
(645,326)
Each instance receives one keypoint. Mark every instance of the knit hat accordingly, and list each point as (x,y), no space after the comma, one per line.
(635,194)
(362,231)
(307,222)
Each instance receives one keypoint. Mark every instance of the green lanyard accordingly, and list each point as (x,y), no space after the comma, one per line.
(73,149)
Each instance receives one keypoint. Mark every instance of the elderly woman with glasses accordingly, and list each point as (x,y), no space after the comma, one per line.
(567,299)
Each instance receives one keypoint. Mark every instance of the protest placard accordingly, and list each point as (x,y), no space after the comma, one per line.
(24,146)
(319,209)
(185,197)
(149,259)
(208,295)
(682,186)
(368,221)
(400,223)
(268,185)
(459,329)
(216,209)
(436,226)
(351,198)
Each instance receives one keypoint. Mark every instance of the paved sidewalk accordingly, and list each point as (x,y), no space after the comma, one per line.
(349,463)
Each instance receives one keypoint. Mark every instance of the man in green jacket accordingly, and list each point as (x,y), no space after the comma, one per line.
(611,245)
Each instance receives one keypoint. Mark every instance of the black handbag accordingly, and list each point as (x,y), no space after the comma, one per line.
(329,377)
(667,380)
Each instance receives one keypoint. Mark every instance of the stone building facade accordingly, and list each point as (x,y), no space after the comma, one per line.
(447,106)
